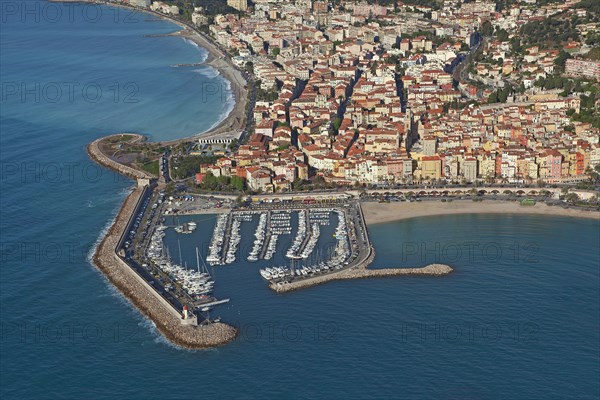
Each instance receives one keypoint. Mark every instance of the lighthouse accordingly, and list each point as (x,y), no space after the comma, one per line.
(188,317)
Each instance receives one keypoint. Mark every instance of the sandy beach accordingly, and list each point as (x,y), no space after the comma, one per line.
(232,125)
(376,213)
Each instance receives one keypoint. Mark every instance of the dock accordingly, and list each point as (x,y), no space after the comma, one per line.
(267,237)
(308,233)
(213,303)
(226,237)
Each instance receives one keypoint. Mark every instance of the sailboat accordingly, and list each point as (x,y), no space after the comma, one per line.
(204,267)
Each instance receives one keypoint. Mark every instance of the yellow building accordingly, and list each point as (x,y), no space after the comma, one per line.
(431,167)
(240,5)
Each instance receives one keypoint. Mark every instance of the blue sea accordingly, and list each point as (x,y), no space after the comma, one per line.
(519,317)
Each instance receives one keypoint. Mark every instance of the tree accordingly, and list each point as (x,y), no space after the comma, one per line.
(572,198)
(593,173)
(561,59)
(170,188)
(502,35)
(487,29)
(238,183)
(337,122)
(593,54)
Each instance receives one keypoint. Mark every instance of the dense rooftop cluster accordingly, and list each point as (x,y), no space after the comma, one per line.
(361,93)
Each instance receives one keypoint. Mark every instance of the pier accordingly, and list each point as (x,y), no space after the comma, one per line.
(188,65)
(265,247)
(226,238)
(308,232)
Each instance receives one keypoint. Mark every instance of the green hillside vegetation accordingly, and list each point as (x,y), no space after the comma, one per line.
(222,183)
(549,33)
(186,167)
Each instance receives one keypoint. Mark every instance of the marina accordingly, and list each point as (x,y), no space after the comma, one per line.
(197,283)
(295,243)
(177,257)
(314,266)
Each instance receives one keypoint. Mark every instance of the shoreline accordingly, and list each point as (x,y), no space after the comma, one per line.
(166,319)
(234,123)
(380,213)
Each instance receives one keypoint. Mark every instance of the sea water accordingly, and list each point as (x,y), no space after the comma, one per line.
(517,319)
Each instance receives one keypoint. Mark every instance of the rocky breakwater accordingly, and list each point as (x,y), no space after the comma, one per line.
(361,273)
(166,319)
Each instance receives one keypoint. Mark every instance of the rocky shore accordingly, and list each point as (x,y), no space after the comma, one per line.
(166,319)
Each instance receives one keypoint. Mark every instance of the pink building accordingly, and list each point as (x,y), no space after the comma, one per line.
(554,164)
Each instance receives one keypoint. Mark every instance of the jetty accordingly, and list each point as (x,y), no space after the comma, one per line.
(265,245)
(307,235)
(226,237)
(188,65)
(361,273)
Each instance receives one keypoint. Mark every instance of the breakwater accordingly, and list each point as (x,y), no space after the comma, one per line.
(362,273)
(167,320)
